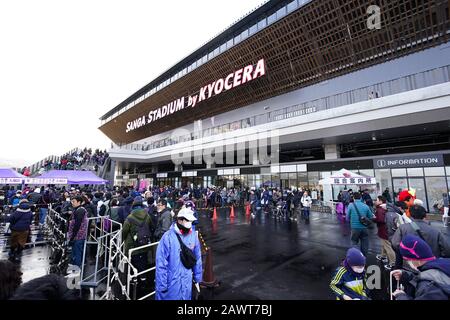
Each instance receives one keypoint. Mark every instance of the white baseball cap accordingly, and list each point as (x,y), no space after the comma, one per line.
(186,213)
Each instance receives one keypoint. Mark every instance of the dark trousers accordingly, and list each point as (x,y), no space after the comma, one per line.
(306,212)
(361,237)
(77,253)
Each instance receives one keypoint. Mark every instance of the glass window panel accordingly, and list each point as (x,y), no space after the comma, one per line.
(237,39)
(272,18)
(436,187)
(244,34)
(367,172)
(415,172)
(313,175)
(419,185)
(384,180)
(230,43)
(434,171)
(262,24)
(325,174)
(292,6)
(253,29)
(399,172)
(284,176)
(281,13)
(223,48)
(447,169)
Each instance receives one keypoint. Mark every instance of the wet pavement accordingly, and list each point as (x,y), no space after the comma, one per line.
(265,258)
(261,258)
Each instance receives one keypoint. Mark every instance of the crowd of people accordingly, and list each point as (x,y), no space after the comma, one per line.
(75,160)
(169,216)
(407,238)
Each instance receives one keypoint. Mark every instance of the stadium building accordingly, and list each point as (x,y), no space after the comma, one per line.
(360,85)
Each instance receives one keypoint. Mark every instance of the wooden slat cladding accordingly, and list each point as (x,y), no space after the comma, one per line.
(323,39)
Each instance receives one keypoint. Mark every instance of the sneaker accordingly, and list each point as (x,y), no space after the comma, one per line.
(388,267)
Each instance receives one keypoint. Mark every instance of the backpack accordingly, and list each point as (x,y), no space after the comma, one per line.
(143,235)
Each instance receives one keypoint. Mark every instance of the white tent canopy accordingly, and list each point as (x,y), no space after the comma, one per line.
(345,177)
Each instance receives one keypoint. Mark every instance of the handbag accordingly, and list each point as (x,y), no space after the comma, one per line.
(187,257)
(365,221)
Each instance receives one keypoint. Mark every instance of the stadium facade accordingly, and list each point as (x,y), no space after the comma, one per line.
(360,85)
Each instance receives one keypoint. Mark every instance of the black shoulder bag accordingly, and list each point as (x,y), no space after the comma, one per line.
(365,221)
(186,255)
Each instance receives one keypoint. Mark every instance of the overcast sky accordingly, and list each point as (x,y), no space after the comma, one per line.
(63,64)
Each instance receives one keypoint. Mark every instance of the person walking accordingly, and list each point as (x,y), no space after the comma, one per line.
(380,218)
(20,222)
(357,212)
(306,203)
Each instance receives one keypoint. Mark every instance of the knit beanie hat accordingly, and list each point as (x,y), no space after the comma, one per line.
(414,248)
(355,258)
(138,201)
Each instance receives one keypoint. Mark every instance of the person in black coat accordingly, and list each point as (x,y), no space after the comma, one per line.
(20,222)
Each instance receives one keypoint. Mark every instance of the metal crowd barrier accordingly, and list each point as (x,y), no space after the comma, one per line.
(99,235)
(133,274)
(122,278)
(56,227)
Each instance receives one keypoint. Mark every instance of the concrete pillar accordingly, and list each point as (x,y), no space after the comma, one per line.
(331,151)
(178,167)
(210,165)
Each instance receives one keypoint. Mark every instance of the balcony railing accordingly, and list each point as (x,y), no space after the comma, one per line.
(382,89)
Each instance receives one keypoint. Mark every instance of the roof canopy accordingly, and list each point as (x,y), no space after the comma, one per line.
(10,176)
(345,177)
(74,176)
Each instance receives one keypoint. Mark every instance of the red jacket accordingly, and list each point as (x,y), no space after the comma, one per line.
(380,219)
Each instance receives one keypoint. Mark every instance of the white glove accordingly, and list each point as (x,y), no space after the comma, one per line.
(197,286)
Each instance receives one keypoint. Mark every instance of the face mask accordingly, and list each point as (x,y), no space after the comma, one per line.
(187,224)
(182,228)
(358,269)
(411,265)
(68,199)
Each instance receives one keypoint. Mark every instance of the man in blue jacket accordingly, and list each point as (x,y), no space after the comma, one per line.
(173,279)
(359,231)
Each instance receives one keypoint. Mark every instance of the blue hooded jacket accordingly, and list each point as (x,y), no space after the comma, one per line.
(173,280)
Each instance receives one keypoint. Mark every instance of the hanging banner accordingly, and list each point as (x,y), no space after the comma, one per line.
(357,181)
(45,181)
(10,180)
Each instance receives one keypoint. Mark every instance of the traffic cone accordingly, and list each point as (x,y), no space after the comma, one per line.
(209,280)
(247,210)
(215,214)
(232,212)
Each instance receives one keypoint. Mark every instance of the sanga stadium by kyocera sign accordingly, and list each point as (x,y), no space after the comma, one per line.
(215,88)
